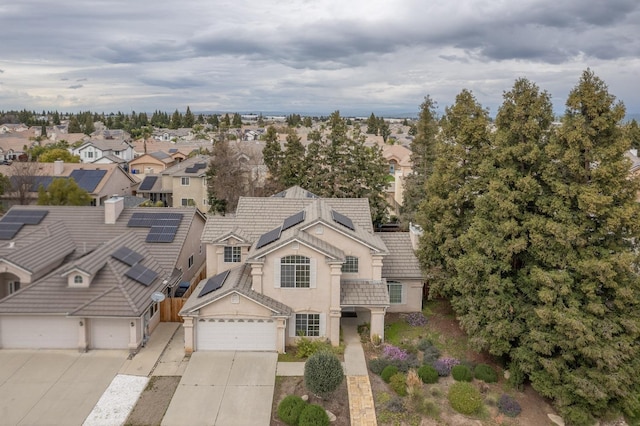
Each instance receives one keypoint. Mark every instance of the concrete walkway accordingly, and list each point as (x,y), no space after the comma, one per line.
(361,407)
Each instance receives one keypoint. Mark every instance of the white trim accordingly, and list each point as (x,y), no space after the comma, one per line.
(295,240)
(276,272)
(343,233)
(313,268)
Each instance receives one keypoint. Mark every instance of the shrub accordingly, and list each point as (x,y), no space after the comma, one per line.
(461,373)
(431,353)
(313,415)
(516,376)
(394,353)
(378,364)
(443,366)
(416,319)
(323,373)
(414,383)
(388,371)
(306,347)
(428,374)
(464,398)
(398,383)
(485,373)
(395,405)
(290,408)
(509,406)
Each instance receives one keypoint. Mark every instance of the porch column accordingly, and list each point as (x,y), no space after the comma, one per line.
(335,311)
(376,264)
(377,322)
(281,326)
(83,339)
(188,335)
(134,334)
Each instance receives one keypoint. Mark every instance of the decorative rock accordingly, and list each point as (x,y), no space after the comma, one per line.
(332,417)
(507,374)
(305,398)
(556,419)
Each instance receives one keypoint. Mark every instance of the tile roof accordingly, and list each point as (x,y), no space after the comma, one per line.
(81,235)
(238,281)
(401,262)
(363,293)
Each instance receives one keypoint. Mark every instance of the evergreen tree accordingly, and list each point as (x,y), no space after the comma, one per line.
(188,120)
(372,125)
(292,166)
(213,120)
(272,152)
(383,129)
(237,121)
(633,133)
(176,120)
(74,125)
(88,125)
(225,179)
(63,192)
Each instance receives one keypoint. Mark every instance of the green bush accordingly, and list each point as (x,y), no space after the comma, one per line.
(377,365)
(388,371)
(430,352)
(313,415)
(306,347)
(398,382)
(323,373)
(290,408)
(464,398)
(428,374)
(461,373)
(485,373)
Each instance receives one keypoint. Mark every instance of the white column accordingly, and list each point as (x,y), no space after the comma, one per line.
(83,340)
(188,335)
(377,323)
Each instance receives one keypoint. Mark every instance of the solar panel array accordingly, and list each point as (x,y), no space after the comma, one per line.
(12,222)
(269,237)
(293,220)
(148,183)
(214,283)
(126,255)
(342,220)
(142,274)
(88,179)
(164,226)
(196,167)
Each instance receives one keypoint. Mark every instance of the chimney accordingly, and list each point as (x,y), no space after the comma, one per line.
(58,167)
(112,209)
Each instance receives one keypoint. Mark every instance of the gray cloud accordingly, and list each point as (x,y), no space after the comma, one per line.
(76,86)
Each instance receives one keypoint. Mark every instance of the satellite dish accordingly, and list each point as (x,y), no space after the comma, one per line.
(157,296)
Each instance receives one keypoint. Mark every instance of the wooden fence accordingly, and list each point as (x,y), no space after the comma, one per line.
(169,309)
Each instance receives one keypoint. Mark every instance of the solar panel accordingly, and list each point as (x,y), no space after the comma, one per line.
(342,220)
(88,179)
(200,166)
(214,283)
(9,230)
(126,255)
(269,237)
(148,183)
(27,217)
(162,234)
(280,194)
(172,150)
(147,220)
(293,220)
(191,170)
(142,274)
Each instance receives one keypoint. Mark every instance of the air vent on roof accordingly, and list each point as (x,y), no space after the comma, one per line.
(269,237)
(214,283)
(342,220)
(293,220)
(126,255)
(142,274)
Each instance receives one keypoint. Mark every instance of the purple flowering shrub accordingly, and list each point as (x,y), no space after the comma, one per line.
(394,353)
(416,319)
(509,406)
(444,365)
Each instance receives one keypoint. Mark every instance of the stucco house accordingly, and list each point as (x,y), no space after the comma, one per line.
(152,163)
(83,277)
(93,150)
(400,166)
(292,265)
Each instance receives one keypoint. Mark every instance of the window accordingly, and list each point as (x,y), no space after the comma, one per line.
(350,264)
(77,279)
(14,286)
(392,167)
(187,202)
(190,261)
(153,309)
(307,324)
(395,292)
(295,271)
(89,154)
(185,181)
(232,254)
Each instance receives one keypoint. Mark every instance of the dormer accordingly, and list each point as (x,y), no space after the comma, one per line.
(77,278)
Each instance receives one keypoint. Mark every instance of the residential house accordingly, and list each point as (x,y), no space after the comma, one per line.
(183,184)
(91,278)
(152,163)
(95,149)
(400,166)
(292,265)
(101,181)
(632,155)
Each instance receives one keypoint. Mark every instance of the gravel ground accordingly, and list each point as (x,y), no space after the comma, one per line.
(117,401)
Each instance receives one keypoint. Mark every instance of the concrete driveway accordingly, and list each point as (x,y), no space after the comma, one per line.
(225,389)
(48,387)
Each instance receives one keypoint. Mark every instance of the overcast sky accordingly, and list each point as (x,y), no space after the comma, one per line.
(308,56)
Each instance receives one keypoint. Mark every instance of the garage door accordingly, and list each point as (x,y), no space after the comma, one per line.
(109,333)
(236,335)
(32,332)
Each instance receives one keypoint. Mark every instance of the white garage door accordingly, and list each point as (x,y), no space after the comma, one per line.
(38,332)
(236,335)
(109,333)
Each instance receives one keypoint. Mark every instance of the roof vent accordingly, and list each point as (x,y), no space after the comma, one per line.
(12,244)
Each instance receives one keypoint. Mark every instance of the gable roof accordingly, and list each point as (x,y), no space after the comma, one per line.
(87,243)
(401,262)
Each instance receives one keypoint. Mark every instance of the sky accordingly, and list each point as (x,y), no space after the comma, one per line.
(308,56)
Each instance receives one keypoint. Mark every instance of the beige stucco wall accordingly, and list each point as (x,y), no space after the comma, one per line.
(413,297)
(193,246)
(225,308)
(196,190)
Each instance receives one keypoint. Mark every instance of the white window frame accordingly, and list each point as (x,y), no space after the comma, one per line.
(190,261)
(185,181)
(302,326)
(295,272)
(14,286)
(396,285)
(232,254)
(184,202)
(350,265)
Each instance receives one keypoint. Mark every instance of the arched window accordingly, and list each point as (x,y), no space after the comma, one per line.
(78,279)
(295,272)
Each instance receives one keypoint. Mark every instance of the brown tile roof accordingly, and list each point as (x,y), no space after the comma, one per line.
(401,262)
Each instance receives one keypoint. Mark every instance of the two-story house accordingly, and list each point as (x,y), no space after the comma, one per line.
(95,149)
(292,265)
(92,277)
